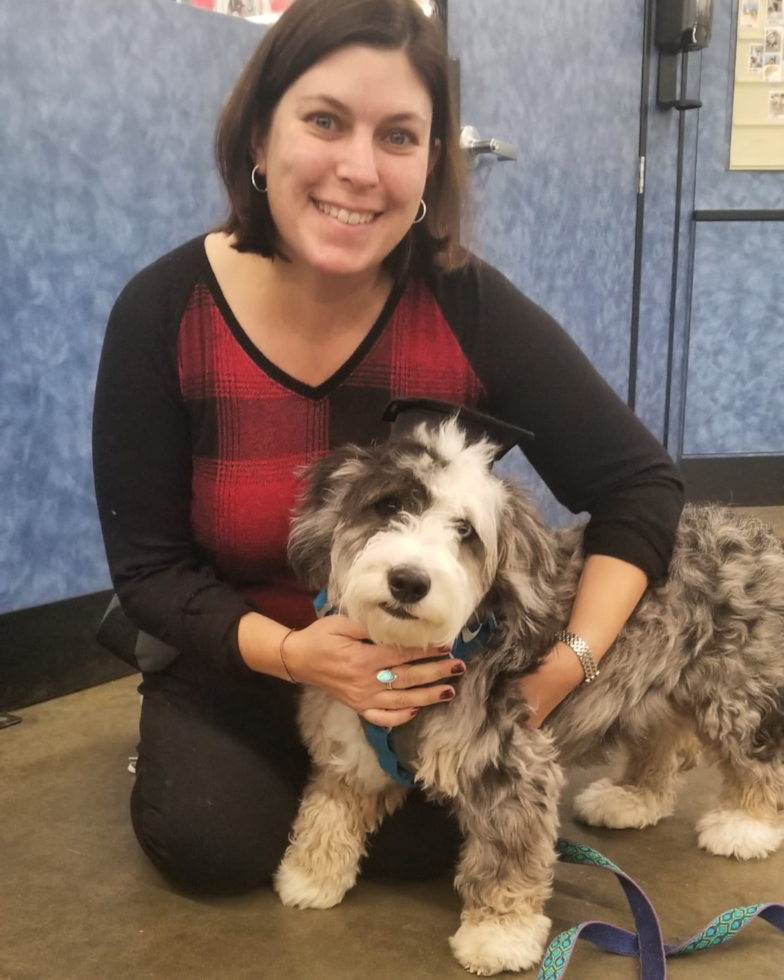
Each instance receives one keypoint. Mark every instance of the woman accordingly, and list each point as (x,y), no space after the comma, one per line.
(336,284)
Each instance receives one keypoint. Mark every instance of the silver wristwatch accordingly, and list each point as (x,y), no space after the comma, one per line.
(582,652)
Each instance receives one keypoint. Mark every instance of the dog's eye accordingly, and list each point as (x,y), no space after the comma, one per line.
(465,530)
(388,505)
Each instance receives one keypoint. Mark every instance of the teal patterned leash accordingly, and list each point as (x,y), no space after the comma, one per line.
(647,943)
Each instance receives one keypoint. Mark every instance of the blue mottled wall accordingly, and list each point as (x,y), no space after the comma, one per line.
(734,377)
(108,112)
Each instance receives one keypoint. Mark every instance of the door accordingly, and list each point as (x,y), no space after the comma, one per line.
(560,80)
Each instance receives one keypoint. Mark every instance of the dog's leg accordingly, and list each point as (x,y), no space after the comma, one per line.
(505,793)
(647,790)
(328,839)
(747,822)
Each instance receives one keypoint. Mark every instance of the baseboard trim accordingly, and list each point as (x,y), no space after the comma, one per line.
(48,651)
(748,481)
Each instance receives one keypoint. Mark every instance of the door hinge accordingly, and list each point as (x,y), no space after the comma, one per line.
(641,176)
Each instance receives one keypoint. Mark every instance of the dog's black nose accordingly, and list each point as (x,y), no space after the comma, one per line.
(408,584)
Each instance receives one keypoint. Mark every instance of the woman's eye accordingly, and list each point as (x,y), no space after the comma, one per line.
(400,137)
(465,530)
(322,120)
(388,505)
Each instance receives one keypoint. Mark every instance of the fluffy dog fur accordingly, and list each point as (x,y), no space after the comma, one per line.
(699,665)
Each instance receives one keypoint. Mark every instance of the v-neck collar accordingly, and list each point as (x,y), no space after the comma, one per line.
(315,393)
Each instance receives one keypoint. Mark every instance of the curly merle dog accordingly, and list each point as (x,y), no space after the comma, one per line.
(699,664)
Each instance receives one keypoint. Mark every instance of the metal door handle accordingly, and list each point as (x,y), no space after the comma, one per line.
(474,145)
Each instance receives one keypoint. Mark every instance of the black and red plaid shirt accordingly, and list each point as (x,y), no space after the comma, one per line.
(198,437)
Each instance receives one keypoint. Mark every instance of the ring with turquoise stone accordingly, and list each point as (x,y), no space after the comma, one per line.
(386,676)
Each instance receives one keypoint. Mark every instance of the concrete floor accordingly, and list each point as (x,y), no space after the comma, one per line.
(79,901)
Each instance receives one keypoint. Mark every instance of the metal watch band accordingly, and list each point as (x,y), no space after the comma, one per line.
(582,651)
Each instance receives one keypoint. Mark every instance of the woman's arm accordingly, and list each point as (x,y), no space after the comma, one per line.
(607,594)
(590,449)
(142,465)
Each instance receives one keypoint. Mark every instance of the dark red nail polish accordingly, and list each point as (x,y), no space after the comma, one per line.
(458,668)
(447,695)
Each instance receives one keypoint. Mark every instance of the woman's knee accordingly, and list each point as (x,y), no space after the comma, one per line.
(204,853)
(420,841)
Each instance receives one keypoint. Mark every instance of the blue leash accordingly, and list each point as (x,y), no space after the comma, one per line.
(647,943)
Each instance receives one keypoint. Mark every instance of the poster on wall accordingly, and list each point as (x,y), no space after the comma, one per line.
(267,11)
(262,11)
(757,139)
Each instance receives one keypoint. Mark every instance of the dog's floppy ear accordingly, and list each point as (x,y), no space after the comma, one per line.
(525,542)
(317,512)
(526,561)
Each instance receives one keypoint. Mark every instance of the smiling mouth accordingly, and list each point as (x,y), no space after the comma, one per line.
(396,611)
(345,216)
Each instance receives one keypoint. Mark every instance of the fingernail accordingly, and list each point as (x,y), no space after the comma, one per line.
(447,695)
(446,649)
(459,668)
(415,711)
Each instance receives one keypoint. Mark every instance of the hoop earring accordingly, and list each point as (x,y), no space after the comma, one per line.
(261,190)
(417,221)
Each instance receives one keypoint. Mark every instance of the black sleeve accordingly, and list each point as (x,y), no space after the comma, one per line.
(142,471)
(591,450)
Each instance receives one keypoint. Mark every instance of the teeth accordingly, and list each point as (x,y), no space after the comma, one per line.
(347,217)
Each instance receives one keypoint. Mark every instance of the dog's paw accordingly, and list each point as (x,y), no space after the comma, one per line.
(733,833)
(489,946)
(302,891)
(603,804)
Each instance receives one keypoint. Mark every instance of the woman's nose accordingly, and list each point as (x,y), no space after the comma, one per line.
(358,160)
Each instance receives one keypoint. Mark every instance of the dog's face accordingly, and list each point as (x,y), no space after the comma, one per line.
(407,536)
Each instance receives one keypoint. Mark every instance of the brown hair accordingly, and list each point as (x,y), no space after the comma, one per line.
(307,32)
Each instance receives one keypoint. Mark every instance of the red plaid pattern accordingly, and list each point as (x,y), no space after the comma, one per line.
(251,432)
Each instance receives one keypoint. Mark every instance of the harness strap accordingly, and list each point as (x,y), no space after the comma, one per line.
(383,744)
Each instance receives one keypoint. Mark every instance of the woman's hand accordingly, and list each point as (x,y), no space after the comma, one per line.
(330,655)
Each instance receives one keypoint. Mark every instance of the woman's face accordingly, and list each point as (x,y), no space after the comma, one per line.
(346,159)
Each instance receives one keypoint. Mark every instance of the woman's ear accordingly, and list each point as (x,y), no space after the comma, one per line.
(435,153)
(258,150)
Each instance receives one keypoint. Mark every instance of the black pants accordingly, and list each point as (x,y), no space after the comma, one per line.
(220,774)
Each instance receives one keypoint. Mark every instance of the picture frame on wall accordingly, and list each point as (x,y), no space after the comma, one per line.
(258,11)
(757,129)
(268,11)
